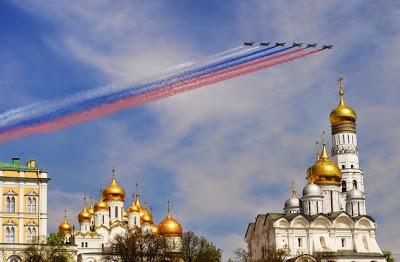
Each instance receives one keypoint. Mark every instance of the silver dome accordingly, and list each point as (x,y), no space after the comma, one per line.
(292,202)
(355,194)
(312,190)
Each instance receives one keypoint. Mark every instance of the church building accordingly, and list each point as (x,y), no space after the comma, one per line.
(329,220)
(100,223)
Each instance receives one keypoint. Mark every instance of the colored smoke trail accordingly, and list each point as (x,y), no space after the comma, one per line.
(152,96)
(82,103)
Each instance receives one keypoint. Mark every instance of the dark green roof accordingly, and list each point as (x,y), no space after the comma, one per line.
(16,166)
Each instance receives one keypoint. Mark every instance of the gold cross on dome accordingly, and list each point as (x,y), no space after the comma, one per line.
(113,171)
(340,81)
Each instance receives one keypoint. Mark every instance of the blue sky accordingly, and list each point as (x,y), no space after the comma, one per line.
(224,153)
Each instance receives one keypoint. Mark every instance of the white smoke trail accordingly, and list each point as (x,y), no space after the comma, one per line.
(26,112)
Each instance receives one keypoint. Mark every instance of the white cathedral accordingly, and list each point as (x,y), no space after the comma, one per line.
(329,220)
(102,222)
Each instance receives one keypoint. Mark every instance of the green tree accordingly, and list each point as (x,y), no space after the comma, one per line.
(388,256)
(137,246)
(51,250)
(199,249)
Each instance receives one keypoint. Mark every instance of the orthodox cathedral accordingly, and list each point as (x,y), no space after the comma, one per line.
(329,220)
(101,222)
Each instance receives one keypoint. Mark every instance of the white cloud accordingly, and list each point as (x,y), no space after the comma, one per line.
(224,143)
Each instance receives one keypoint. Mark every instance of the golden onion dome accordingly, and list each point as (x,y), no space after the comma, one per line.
(147,217)
(154,229)
(135,207)
(91,208)
(100,205)
(170,226)
(343,113)
(65,227)
(324,171)
(84,216)
(125,214)
(113,192)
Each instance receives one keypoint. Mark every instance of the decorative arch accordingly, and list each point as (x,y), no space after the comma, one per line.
(282,222)
(14,258)
(321,222)
(365,224)
(344,221)
(300,222)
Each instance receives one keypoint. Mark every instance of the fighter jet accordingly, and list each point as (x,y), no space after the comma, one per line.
(311,45)
(264,43)
(280,44)
(248,43)
(297,44)
(327,46)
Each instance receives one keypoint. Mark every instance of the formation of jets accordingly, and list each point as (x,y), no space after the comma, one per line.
(283,43)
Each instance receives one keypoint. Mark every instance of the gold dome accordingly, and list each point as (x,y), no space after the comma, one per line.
(113,192)
(84,215)
(343,113)
(169,226)
(147,217)
(154,229)
(91,208)
(324,171)
(101,205)
(125,214)
(135,207)
(65,227)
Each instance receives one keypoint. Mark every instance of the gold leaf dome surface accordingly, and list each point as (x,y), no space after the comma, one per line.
(343,113)
(324,171)
(170,226)
(113,192)
(84,216)
(65,227)
(147,217)
(154,229)
(135,207)
(101,205)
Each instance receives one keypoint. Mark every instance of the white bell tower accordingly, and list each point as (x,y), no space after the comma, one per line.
(344,146)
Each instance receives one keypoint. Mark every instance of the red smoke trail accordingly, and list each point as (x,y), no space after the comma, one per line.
(152,96)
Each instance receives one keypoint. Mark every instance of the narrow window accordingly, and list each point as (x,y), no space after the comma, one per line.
(348,138)
(355,184)
(343,242)
(343,139)
(344,189)
(134,221)
(358,207)
(103,219)
(323,244)
(12,204)
(352,139)
(299,242)
(29,204)
(343,166)
(83,244)
(352,208)
(365,242)
(352,166)
(109,212)
(8,204)
(86,244)
(331,201)
(116,212)
(33,208)
(309,207)
(316,204)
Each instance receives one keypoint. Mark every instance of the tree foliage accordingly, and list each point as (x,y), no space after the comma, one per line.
(51,250)
(138,246)
(271,255)
(199,249)
(388,256)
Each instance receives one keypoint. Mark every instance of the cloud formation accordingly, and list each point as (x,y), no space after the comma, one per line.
(228,152)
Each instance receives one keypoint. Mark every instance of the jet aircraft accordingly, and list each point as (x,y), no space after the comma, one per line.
(311,45)
(264,43)
(248,43)
(327,46)
(280,44)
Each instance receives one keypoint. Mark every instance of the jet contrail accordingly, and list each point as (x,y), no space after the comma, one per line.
(229,64)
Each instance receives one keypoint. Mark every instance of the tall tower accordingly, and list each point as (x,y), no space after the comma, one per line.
(344,146)
(114,196)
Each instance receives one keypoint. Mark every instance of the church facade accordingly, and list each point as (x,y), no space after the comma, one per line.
(100,223)
(329,220)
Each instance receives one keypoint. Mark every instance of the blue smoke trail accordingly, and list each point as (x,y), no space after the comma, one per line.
(109,98)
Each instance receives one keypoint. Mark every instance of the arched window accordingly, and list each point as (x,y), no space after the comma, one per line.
(8,203)
(135,221)
(116,212)
(343,166)
(10,234)
(103,219)
(12,204)
(299,242)
(355,184)
(33,206)
(33,233)
(344,189)
(14,259)
(343,242)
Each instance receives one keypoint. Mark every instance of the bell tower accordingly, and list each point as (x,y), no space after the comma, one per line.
(344,146)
